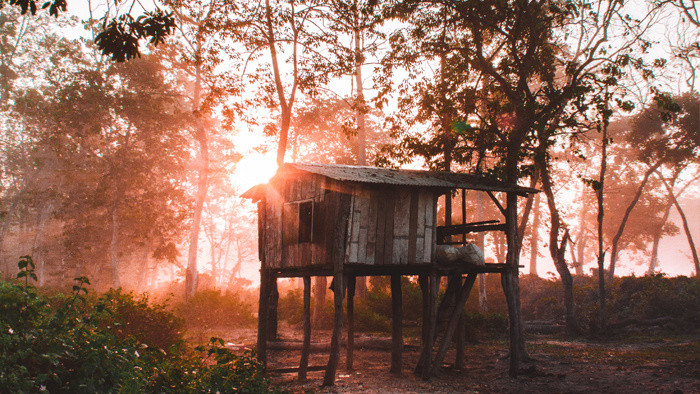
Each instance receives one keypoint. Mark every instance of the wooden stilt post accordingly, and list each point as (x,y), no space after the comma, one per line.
(424,283)
(396,322)
(351,322)
(341,206)
(452,325)
(274,296)
(461,326)
(304,363)
(430,335)
(332,367)
(262,314)
(460,339)
(454,283)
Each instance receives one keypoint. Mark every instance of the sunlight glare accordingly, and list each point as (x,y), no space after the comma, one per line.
(253,169)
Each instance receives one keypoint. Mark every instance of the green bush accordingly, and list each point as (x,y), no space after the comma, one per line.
(128,315)
(478,324)
(291,307)
(107,344)
(211,308)
(629,298)
(372,313)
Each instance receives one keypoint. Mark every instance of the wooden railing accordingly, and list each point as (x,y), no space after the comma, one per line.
(463,229)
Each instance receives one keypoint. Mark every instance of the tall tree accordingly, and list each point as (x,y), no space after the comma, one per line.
(115,159)
(281,38)
(202,43)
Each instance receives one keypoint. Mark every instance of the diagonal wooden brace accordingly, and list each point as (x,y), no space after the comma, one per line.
(459,310)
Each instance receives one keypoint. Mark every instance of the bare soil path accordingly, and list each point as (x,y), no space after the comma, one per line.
(640,364)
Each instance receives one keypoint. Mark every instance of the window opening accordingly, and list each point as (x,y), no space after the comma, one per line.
(306,210)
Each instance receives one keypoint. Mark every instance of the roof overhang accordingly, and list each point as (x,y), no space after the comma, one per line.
(395,177)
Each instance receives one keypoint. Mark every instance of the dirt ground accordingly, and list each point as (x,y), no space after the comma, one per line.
(640,363)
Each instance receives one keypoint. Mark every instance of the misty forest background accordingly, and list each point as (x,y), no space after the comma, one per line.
(126,165)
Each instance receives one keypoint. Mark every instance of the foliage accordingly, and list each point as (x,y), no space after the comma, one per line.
(630,299)
(291,307)
(128,315)
(128,191)
(120,38)
(108,345)
(212,308)
(485,323)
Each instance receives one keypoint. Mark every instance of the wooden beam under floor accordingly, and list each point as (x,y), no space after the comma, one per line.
(304,362)
(332,367)
(396,323)
(351,322)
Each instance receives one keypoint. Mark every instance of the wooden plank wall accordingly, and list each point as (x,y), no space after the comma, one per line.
(387,225)
(304,188)
(271,225)
(281,222)
(391,225)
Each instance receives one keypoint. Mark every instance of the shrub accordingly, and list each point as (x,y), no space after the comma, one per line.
(128,315)
(291,307)
(211,308)
(213,369)
(107,345)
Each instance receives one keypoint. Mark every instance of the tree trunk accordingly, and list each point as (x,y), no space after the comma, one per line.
(202,186)
(38,244)
(360,105)
(320,286)
(577,254)
(581,253)
(625,217)
(600,194)
(360,113)
(285,103)
(481,278)
(686,228)
(511,287)
(3,233)
(522,227)
(654,262)
(144,268)
(113,251)
(215,271)
(558,251)
(535,236)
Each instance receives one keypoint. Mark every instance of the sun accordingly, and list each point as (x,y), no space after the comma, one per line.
(258,163)
(253,169)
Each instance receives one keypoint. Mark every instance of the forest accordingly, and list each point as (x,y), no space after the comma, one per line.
(129,132)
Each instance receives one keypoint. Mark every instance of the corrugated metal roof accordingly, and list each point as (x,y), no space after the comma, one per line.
(388,176)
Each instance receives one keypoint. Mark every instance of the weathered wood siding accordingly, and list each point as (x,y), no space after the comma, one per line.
(386,225)
(391,225)
(279,213)
(270,229)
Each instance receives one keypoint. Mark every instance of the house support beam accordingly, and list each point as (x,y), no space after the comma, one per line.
(304,362)
(332,367)
(463,295)
(351,322)
(262,313)
(396,323)
(430,293)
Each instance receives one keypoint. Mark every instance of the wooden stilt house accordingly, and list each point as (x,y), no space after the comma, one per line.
(347,221)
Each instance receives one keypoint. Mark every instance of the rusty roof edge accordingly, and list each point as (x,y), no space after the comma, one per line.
(448,183)
(254,192)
